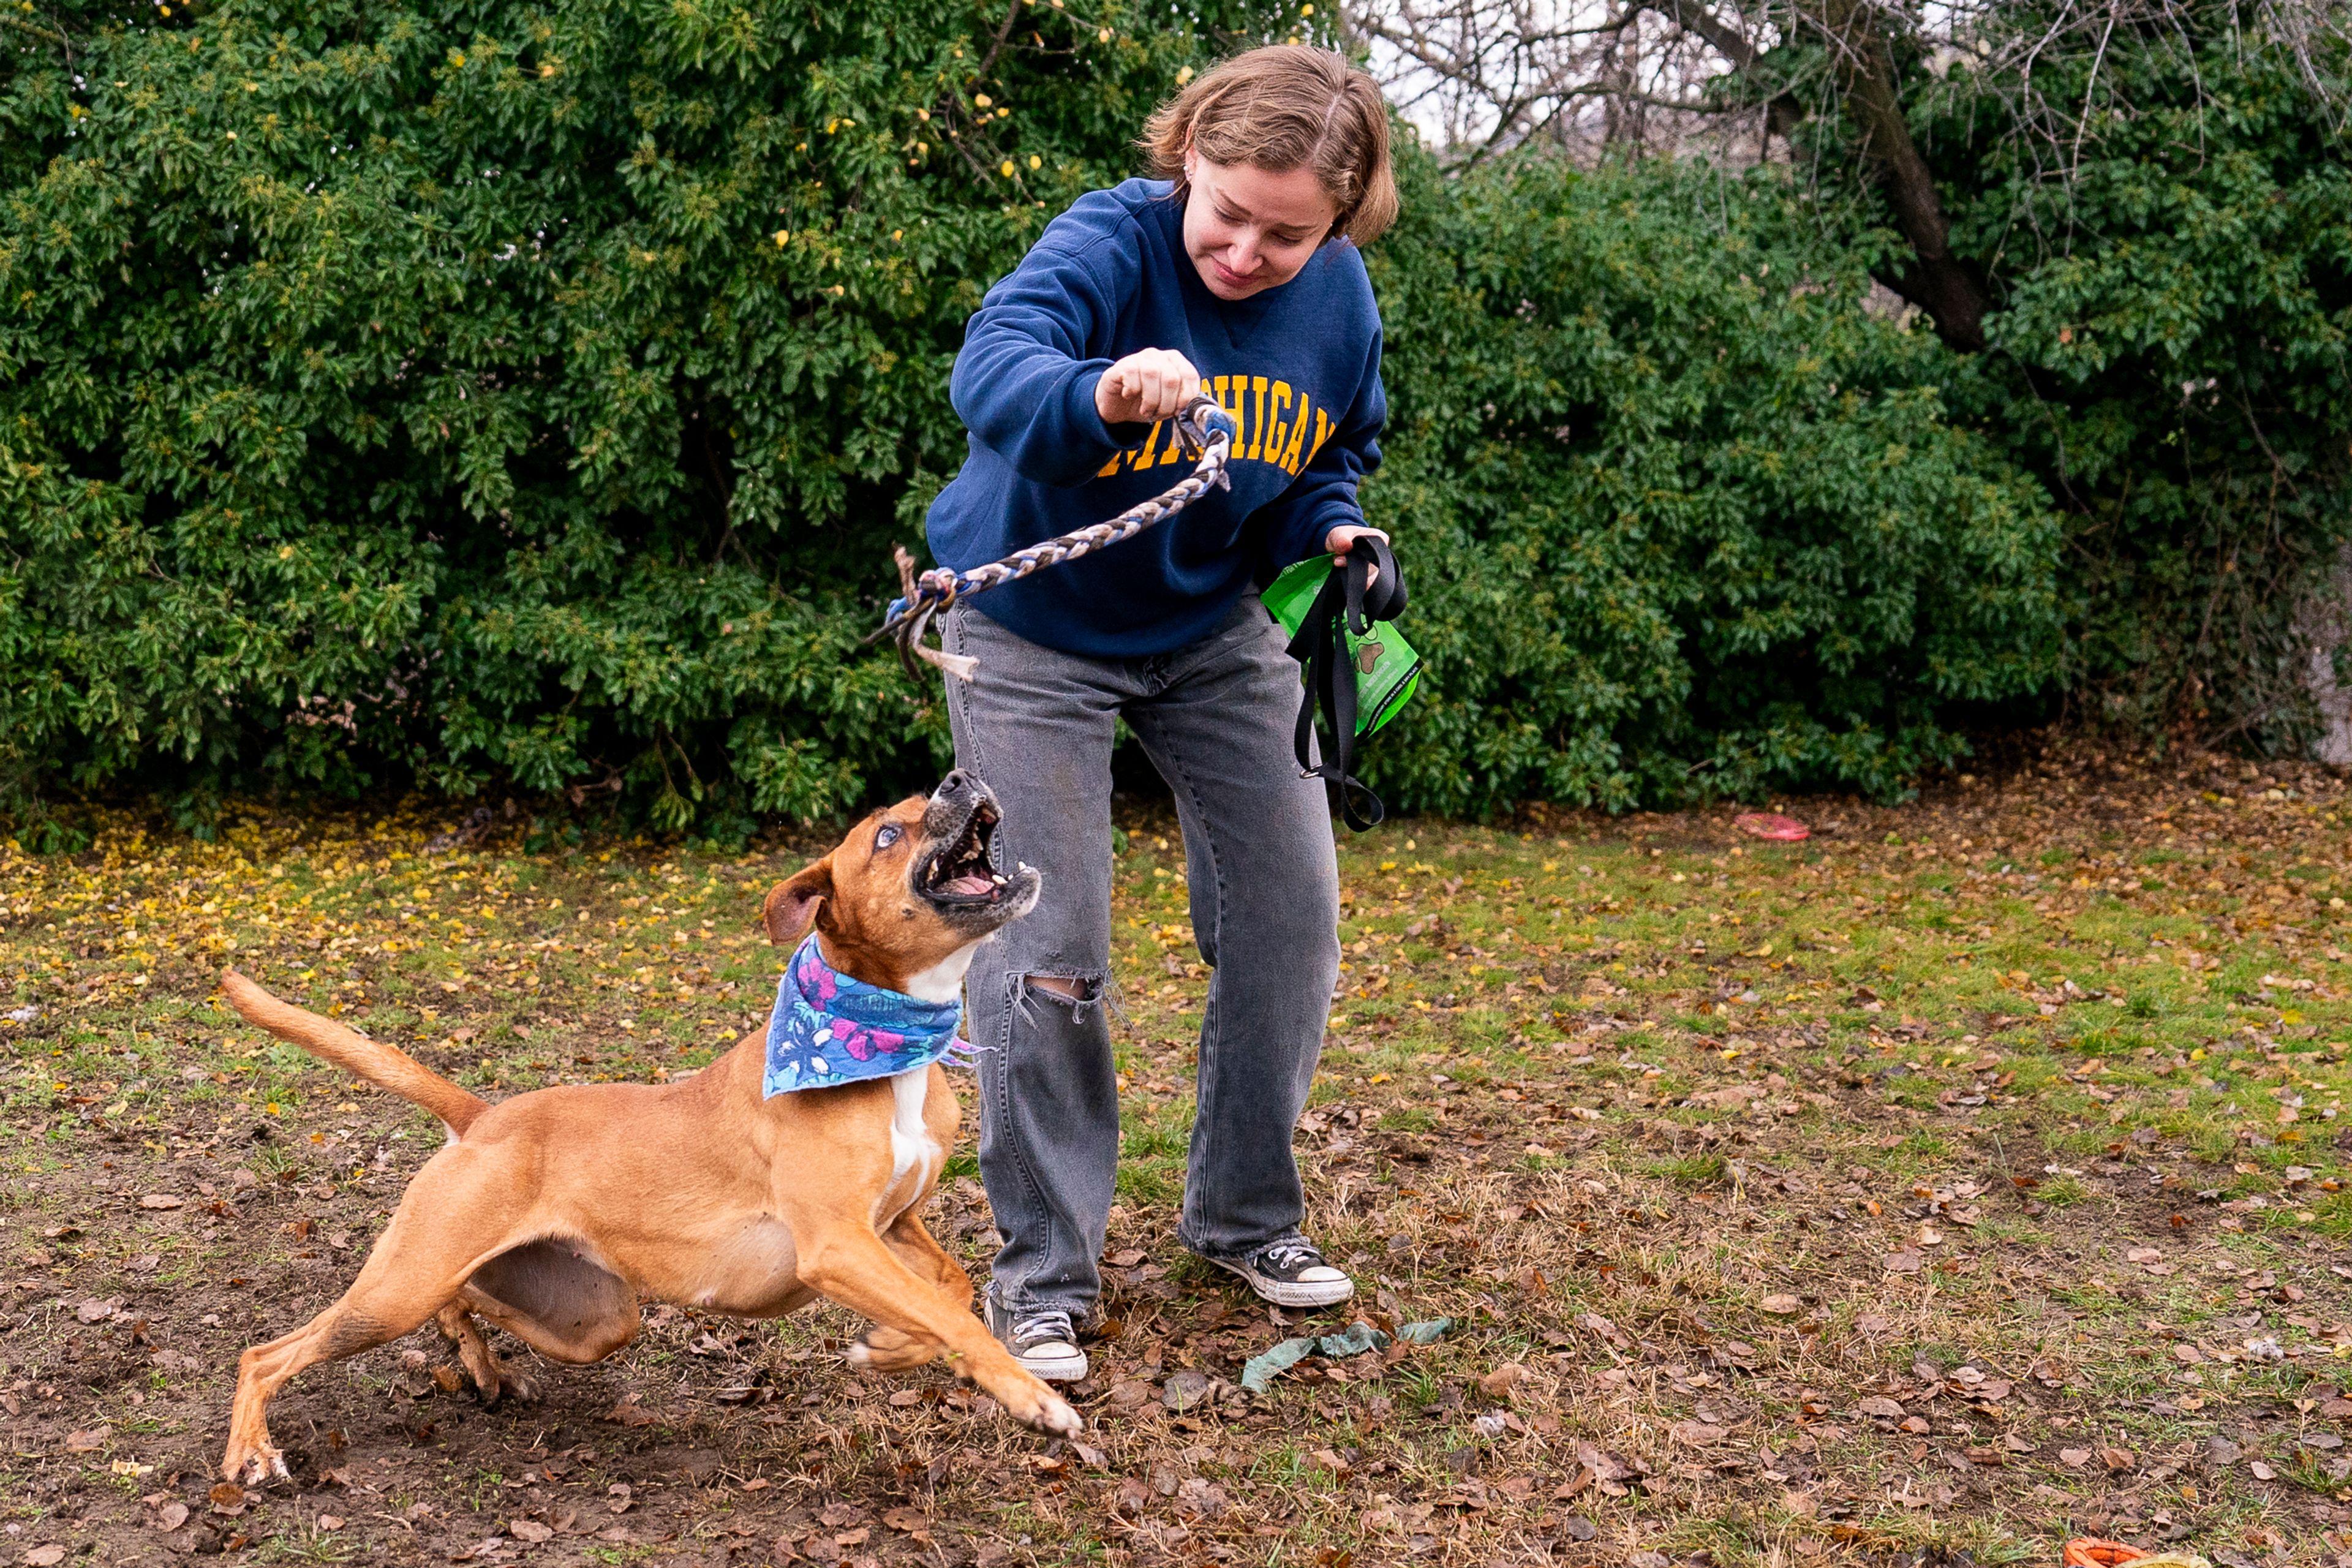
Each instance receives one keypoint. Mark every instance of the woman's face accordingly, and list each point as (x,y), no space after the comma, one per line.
(1248,229)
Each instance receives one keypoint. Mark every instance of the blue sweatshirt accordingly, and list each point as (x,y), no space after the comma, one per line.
(1299,366)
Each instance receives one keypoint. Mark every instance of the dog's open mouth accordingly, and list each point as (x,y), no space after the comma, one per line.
(961,871)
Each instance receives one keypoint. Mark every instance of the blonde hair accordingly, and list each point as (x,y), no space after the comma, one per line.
(1280,108)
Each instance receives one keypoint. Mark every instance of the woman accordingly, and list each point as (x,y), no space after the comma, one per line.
(1236,274)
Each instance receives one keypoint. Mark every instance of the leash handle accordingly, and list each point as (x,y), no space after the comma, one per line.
(1351,600)
(1206,430)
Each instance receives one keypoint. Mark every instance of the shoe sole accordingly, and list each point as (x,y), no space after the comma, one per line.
(1054,1368)
(1283,1293)
(1067,1368)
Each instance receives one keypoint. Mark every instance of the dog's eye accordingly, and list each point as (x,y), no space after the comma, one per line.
(886,836)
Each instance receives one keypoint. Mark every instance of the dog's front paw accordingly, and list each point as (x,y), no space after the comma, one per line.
(1049,1412)
(514,1386)
(1061,1420)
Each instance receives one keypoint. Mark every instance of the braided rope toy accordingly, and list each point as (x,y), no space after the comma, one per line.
(1207,432)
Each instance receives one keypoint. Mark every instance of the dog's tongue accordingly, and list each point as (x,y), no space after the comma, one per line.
(972,887)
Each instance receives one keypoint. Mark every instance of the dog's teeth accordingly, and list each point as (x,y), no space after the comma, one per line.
(999,878)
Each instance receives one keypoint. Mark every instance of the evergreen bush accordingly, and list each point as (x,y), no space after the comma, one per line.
(493,394)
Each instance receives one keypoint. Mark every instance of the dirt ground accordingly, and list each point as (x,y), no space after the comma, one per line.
(1966,1177)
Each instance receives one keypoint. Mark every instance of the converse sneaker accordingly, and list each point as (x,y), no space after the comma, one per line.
(1043,1342)
(1290,1272)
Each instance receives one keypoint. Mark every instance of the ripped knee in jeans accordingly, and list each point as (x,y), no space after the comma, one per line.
(1078,991)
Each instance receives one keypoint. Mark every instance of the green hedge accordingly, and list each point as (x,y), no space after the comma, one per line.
(1691,520)
(2172,355)
(504,395)
(526,397)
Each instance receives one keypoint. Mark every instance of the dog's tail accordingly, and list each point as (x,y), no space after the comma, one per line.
(382,1066)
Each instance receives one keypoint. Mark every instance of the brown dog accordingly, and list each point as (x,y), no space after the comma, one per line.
(550,1214)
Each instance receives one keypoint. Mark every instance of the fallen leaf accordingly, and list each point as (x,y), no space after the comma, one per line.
(1879,1404)
(910,1521)
(1499,1380)
(47,1556)
(2075,1458)
(160,1201)
(1781,1306)
(629,1413)
(1184,1389)
(2118,1460)
(89,1442)
(337,1521)
(227,1494)
(1199,1499)
(172,1515)
(1903,1262)
(1694,1433)
(529,1529)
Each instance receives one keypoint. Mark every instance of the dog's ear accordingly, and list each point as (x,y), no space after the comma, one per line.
(793,905)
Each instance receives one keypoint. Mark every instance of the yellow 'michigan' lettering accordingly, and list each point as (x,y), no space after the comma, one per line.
(1272,420)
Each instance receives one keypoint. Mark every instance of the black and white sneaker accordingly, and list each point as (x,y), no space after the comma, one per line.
(1044,1342)
(1290,1272)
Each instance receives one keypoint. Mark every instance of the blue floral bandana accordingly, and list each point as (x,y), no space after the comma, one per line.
(828,1028)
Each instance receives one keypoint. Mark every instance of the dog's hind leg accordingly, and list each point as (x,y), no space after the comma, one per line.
(344,1329)
(452,1215)
(553,1295)
(492,1376)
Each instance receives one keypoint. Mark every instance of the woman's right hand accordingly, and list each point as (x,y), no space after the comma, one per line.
(1146,387)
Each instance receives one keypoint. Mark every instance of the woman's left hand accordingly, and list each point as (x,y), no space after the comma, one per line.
(1339,538)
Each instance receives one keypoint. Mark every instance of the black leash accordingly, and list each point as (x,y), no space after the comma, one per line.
(1351,600)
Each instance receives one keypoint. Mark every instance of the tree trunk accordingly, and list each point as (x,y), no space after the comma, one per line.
(1938,282)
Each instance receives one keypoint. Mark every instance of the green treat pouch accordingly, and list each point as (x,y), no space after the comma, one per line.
(1387,669)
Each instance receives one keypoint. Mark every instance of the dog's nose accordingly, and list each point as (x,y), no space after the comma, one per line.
(959,786)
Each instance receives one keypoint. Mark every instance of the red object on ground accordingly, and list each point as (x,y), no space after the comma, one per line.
(2090,1552)
(1769,825)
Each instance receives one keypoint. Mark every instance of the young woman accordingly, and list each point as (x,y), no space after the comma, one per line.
(1237,273)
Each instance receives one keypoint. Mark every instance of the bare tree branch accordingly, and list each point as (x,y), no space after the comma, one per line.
(1591,78)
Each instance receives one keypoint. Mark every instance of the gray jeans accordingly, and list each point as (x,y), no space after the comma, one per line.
(1215,719)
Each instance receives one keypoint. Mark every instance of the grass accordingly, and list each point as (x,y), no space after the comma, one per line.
(1962,1178)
